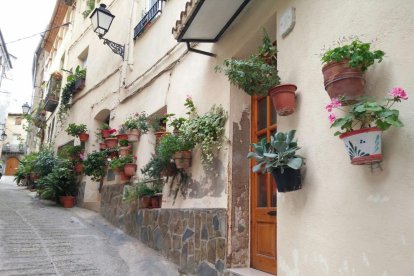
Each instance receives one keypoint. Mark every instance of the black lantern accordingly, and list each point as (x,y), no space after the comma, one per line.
(101,22)
(25,108)
(3,136)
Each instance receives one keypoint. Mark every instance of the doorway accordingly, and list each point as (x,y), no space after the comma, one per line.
(11,166)
(263,206)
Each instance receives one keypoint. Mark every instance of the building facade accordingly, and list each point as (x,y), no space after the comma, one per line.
(14,145)
(229,217)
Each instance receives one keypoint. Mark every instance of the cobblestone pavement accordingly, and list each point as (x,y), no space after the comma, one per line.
(40,238)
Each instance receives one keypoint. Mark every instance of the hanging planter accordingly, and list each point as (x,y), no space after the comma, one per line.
(130,169)
(284,98)
(182,159)
(363,146)
(79,85)
(111,142)
(144,201)
(123,177)
(156,201)
(124,151)
(288,181)
(102,146)
(67,201)
(105,133)
(83,137)
(340,80)
(133,135)
(121,137)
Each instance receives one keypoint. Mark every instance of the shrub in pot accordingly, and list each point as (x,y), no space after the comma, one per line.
(363,145)
(78,130)
(178,148)
(344,69)
(135,125)
(148,191)
(279,158)
(158,123)
(95,165)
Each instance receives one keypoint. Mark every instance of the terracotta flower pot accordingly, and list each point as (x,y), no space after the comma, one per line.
(156,201)
(123,177)
(130,169)
(342,80)
(182,159)
(124,151)
(288,181)
(122,137)
(363,146)
(284,98)
(111,142)
(83,137)
(144,202)
(78,168)
(68,201)
(105,133)
(133,135)
(102,146)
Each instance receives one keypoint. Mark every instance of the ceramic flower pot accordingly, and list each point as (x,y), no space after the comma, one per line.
(78,168)
(67,201)
(111,142)
(122,137)
(133,135)
(124,151)
(284,98)
(105,133)
(342,80)
(102,146)
(130,169)
(83,137)
(182,159)
(363,146)
(288,181)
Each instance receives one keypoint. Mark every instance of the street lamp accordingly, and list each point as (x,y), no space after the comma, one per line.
(101,22)
(3,136)
(25,108)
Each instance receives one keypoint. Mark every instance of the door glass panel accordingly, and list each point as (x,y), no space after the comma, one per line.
(262,116)
(262,190)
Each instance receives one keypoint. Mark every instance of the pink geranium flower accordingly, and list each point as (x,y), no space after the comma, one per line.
(333,104)
(398,92)
(332,118)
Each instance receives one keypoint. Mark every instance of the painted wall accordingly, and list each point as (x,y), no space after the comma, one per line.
(347,220)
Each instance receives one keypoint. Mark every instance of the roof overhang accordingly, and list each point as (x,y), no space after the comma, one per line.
(206,21)
(57,19)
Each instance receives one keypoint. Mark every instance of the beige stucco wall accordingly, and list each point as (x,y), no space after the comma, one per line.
(347,220)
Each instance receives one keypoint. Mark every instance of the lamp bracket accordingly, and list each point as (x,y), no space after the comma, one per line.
(199,51)
(115,47)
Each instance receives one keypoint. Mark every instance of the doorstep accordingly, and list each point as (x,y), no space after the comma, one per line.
(247,271)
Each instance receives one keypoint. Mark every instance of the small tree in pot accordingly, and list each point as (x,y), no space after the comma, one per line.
(279,157)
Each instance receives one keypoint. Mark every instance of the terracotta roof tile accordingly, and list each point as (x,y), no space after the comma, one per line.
(184,16)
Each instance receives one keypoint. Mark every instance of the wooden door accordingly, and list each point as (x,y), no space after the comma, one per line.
(263,193)
(11,166)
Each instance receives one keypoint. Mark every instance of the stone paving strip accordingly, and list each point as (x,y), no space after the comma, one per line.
(40,238)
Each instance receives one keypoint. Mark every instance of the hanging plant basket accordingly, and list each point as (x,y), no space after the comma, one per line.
(342,80)
(284,98)
(124,151)
(363,146)
(182,159)
(288,181)
(130,169)
(67,201)
(83,137)
(79,85)
(133,135)
(111,142)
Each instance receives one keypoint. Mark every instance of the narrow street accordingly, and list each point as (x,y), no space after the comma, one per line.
(41,238)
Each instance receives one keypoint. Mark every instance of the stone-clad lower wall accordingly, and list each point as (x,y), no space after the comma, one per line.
(194,239)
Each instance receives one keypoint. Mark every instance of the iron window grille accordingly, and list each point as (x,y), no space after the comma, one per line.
(148,17)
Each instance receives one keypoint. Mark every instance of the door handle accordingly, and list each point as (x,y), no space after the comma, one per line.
(272,213)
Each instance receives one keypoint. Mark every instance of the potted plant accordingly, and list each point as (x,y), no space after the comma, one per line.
(344,69)
(111,141)
(95,165)
(364,144)
(149,192)
(79,78)
(135,125)
(279,158)
(124,147)
(177,148)
(118,164)
(130,167)
(104,130)
(121,134)
(79,131)
(158,123)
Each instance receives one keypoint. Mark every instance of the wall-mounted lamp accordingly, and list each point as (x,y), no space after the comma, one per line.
(3,136)
(101,22)
(25,108)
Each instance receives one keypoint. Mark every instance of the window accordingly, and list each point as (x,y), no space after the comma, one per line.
(151,11)
(83,58)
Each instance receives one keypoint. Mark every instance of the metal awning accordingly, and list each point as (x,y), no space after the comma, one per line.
(206,20)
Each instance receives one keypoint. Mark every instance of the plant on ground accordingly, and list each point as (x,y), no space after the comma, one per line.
(367,113)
